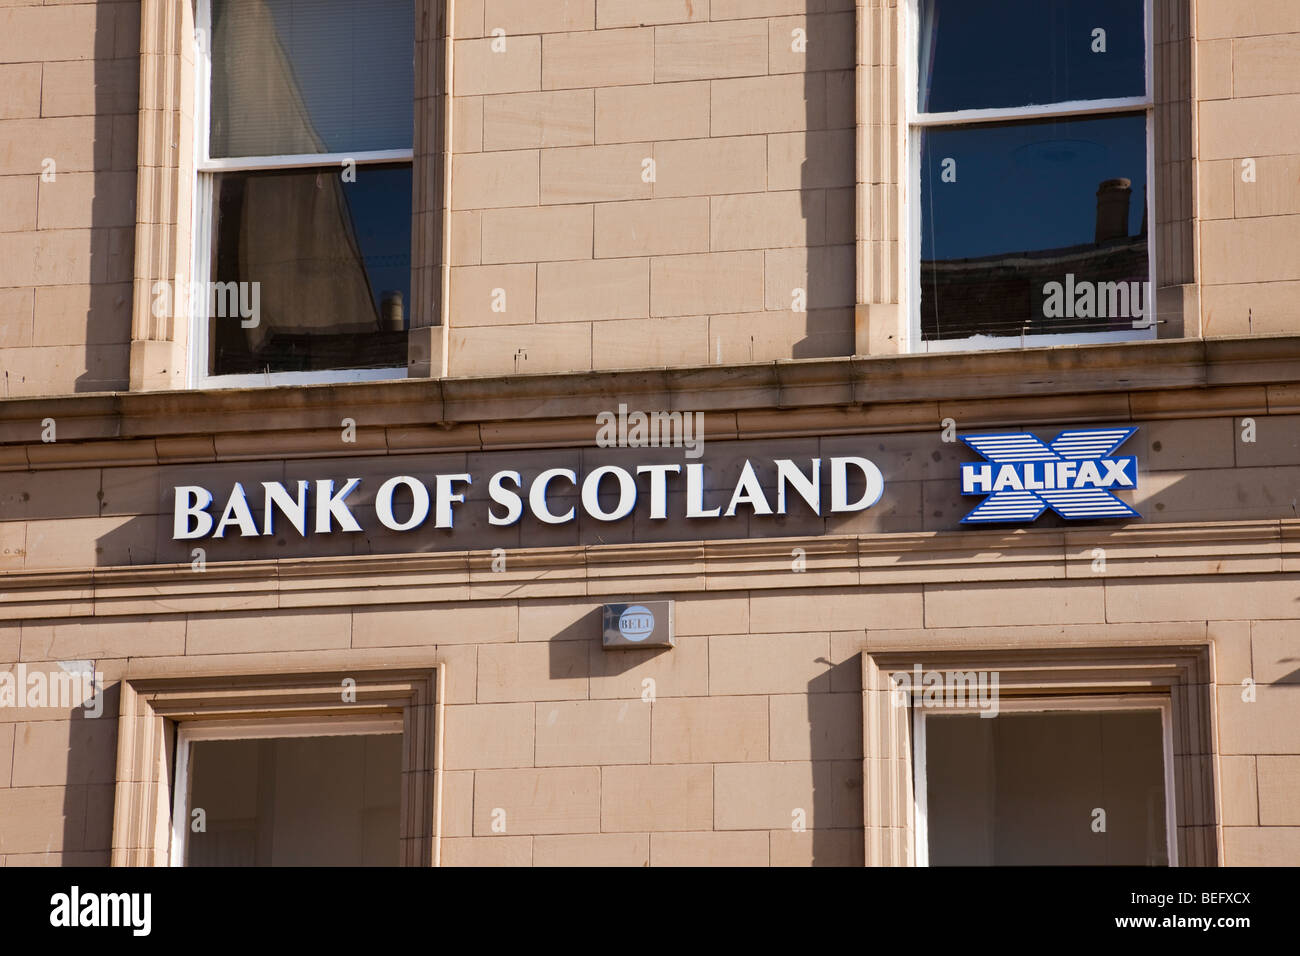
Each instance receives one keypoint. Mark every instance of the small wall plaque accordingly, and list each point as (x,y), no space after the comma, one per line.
(648,624)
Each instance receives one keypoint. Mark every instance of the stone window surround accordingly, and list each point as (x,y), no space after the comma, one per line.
(165,217)
(154,701)
(882,314)
(1182,672)
(159,347)
(156,695)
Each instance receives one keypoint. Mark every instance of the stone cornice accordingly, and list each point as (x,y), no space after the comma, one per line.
(605,572)
(1146,380)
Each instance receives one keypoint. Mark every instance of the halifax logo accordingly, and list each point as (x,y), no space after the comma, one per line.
(1072,475)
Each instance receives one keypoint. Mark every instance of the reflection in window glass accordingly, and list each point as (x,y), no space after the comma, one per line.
(1034,227)
(324,263)
(311,76)
(296,801)
(1022,789)
(1022,52)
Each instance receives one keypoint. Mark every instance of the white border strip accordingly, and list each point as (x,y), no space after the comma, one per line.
(1122,104)
(301,160)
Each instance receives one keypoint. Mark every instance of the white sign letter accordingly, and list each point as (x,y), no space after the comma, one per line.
(191,502)
(384,503)
(839,484)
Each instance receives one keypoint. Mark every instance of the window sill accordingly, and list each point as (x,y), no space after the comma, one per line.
(987,343)
(273,379)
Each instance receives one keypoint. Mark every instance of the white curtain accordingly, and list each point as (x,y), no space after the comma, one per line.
(927,35)
(296,237)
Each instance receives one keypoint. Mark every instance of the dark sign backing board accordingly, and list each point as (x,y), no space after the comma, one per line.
(648,624)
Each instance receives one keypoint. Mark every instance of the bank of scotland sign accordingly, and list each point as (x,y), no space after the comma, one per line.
(1073,475)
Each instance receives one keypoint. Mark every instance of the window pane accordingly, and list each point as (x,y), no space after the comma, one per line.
(1034,227)
(311,76)
(325,264)
(1021,52)
(296,801)
(1022,789)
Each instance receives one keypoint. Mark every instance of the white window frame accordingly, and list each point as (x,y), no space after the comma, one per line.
(191,732)
(201,259)
(1111,703)
(916,121)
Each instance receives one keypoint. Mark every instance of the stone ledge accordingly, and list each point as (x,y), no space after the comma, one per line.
(800,383)
(1119,382)
(1245,547)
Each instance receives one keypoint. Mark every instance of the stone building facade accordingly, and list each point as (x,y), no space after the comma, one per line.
(713,209)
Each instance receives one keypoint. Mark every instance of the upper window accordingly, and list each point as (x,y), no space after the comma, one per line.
(1030,154)
(303,246)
